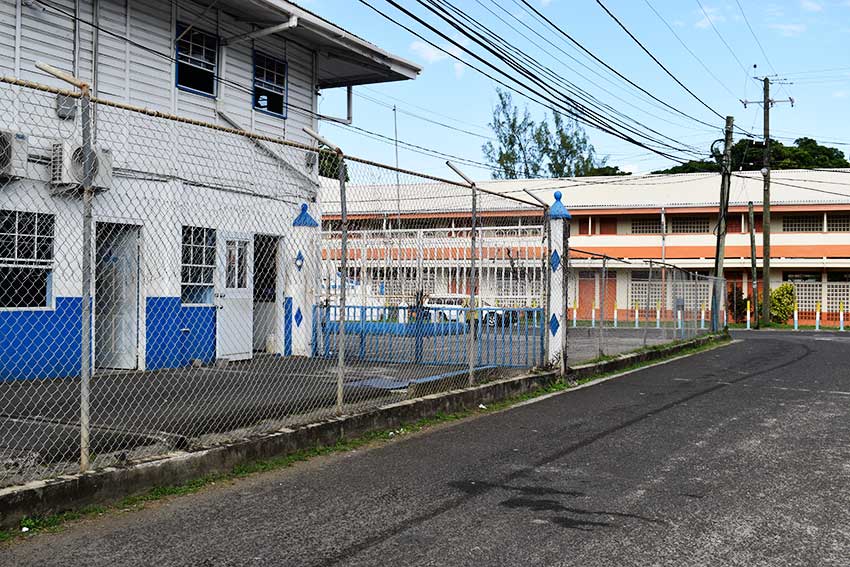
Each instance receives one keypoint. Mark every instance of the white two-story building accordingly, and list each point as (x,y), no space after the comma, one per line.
(205,241)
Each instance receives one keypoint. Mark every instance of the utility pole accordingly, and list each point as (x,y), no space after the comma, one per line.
(767,103)
(725,180)
(755,294)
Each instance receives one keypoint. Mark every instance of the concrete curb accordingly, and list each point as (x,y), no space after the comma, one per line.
(73,492)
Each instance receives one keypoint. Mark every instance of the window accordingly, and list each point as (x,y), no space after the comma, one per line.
(689,225)
(197,269)
(646,225)
(197,60)
(838,276)
(26,259)
(269,84)
(802,223)
(237,264)
(801,276)
(838,222)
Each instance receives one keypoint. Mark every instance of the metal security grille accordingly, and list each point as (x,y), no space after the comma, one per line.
(837,222)
(837,296)
(802,223)
(809,294)
(646,225)
(689,225)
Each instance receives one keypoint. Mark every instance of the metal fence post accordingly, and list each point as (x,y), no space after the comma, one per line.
(473,276)
(473,280)
(86,360)
(600,338)
(343,268)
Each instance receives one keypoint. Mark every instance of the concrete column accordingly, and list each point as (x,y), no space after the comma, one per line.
(558,324)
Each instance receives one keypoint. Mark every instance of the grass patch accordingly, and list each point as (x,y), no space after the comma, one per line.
(33,525)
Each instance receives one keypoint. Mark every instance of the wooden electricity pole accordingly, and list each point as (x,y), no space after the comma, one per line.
(755,293)
(720,251)
(767,103)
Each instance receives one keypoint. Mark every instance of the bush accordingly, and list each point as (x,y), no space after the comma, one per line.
(782,300)
(736,304)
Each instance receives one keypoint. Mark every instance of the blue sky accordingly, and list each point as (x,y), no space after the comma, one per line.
(807,42)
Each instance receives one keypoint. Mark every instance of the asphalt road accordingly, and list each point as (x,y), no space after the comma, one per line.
(736,456)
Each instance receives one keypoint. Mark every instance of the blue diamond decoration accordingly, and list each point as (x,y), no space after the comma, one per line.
(554,325)
(299,260)
(298,317)
(556,261)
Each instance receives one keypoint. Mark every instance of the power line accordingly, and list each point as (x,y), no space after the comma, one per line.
(423,118)
(590,117)
(716,31)
(531,97)
(410,146)
(606,65)
(655,59)
(584,65)
(688,49)
(573,89)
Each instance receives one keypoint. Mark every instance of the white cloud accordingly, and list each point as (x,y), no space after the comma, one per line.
(431,55)
(427,52)
(789,30)
(708,17)
(545,3)
(841,94)
(810,6)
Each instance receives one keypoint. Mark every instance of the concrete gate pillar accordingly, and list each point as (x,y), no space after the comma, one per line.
(558,323)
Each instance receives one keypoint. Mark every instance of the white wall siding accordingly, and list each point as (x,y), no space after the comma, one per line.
(112,78)
(47,36)
(8,24)
(151,75)
(302,93)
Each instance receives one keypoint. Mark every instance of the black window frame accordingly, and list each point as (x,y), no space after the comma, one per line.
(264,87)
(27,242)
(197,64)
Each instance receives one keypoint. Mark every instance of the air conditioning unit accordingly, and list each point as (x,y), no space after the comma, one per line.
(14,151)
(67,168)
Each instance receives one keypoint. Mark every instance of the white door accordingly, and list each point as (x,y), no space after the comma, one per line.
(116,300)
(235,296)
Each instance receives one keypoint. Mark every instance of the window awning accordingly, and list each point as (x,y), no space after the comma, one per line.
(343,58)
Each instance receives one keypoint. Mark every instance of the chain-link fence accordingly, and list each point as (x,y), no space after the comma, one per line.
(168,284)
(618,305)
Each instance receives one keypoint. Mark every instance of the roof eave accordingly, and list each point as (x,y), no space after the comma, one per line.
(401,68)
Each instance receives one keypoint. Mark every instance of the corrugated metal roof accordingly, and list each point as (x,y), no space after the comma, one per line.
(788,187)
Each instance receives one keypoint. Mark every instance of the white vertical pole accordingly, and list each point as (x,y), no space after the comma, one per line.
(637,316)
(559,225)
(748,314)
(796,317)
(817,317)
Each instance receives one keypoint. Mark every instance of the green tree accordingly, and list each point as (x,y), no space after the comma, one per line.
(748,155)
(525,149)
(567,149)
(517,152)
(607,170)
